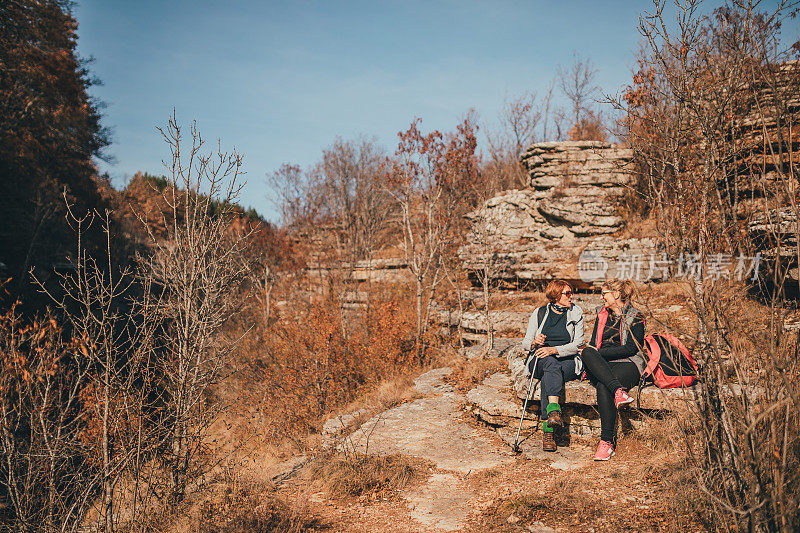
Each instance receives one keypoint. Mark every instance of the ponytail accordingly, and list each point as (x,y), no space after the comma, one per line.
(626,288)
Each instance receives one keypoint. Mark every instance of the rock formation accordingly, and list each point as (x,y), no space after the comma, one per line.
(539,233)
(775,236)
(578,182)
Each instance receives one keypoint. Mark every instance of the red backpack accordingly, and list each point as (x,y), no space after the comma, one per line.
(669,362)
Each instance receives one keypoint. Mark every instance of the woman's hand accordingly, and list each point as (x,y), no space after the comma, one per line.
(546,351)
(540,338)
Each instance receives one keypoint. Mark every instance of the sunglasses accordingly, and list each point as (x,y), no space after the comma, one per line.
(567,293)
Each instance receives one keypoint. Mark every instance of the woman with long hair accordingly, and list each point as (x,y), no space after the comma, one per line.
(613,360)
(555,332)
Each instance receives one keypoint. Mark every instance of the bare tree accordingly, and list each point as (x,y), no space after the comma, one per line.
(548,101)
(430,180)
(712,116)
(516,130)
(199,270)
(486,257)
(81,391)
(577,83)
(40,434)
(293,194)
(106,310)
(353,191)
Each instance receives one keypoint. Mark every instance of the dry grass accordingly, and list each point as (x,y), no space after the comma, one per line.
(675,292)
(663,445)
(648,486)
(749,330)
(567,500)
(637,227)
(252,508)
(356,474)
(390,393)
(605,498)
(232,502)
(468,374)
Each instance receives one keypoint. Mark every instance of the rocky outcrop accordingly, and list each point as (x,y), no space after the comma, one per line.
(393,269)
(775,236)
(538,234)
(579,182)
(496,403)
(764,129)
(515,238)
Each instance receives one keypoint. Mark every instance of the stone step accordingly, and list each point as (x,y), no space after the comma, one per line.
(498,402)
(497,396)
(649,397)
(494,402)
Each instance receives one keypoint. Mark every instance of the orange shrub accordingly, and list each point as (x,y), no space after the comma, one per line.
(316,359)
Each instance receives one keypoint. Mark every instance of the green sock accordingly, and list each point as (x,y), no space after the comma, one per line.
(546,428)
(553,407)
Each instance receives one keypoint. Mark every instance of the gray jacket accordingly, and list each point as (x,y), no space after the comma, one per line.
(574,328)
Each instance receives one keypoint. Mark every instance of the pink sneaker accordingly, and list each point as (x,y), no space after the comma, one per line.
(605,451)
(621,398)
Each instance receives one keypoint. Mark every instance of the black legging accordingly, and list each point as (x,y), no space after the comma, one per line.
(607,378)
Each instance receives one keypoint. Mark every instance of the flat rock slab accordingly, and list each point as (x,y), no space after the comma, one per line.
(494,399)
(573,457)
(443,503)
(431,428)
(582,392)
(500,346)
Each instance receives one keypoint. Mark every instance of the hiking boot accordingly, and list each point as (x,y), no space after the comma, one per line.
(621,398)
(605,451)
(548,441)
(554,419)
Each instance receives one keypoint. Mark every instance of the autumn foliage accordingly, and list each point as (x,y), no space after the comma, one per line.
(315,362)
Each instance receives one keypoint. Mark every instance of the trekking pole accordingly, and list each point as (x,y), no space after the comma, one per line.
(515,447)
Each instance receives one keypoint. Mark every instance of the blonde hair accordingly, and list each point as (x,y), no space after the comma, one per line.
(626,288)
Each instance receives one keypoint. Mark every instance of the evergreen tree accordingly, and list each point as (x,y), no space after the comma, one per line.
(49,130)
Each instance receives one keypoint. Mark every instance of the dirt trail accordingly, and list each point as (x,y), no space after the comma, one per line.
(435,428)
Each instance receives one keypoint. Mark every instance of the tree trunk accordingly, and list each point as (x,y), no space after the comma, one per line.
(108,489)
(487,314)
(419,317)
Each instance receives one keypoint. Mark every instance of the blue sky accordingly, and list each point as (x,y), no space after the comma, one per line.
(281,80)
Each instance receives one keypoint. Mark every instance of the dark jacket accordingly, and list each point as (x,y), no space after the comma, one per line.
(631,339)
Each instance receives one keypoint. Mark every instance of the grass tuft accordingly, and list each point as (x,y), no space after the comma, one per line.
(250,508)
(469,374)
(359,474)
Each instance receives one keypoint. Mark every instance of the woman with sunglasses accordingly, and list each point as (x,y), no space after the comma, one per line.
(613,359)
(555,331)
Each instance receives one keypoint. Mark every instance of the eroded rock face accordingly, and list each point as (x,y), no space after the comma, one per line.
(581,181)
(511,239)
(538,234)
(774,234)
